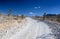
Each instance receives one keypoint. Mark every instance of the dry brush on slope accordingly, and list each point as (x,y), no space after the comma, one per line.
(8,21)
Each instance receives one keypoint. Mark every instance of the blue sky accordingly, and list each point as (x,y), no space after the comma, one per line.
(30,7)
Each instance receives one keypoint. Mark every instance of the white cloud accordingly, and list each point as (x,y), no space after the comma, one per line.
(35,7)
(39,6)
(19,14)
(30,12)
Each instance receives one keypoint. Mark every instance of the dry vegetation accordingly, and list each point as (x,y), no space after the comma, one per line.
(8,21)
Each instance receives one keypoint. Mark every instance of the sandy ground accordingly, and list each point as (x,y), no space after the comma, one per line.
(27,29)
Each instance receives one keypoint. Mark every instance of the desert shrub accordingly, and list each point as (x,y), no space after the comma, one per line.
(44,15)
(51,19)
(9,12)
(58,18)
(37,16)
(22,16)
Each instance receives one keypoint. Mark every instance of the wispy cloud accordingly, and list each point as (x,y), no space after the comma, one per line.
(30,12)
(37,7)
